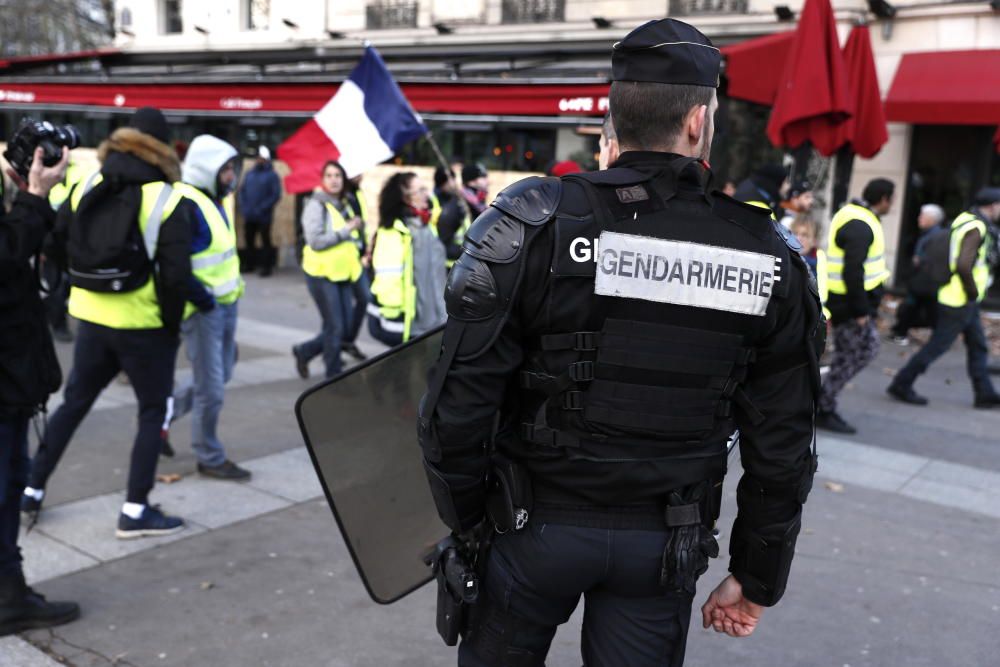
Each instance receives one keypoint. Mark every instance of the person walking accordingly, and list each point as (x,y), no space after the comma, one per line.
(29,373)
(918,307)
(408,261)
(124,225)
(331,261)
(260,193)
(209,175)
(958,306)
(580,410)
(475,186)
(454,219)
(856,273)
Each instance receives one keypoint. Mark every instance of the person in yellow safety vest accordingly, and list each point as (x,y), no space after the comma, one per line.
(331,260)
(408,261)
(131,330)
(764,187)
(453,219)
(57,299)
(856,273)
(958,305)
(209,175)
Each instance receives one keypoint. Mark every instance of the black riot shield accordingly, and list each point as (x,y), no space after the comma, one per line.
(361,432)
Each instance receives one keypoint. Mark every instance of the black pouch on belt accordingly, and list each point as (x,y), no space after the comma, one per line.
(509,500)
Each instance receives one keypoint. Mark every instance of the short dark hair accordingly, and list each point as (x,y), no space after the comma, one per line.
(877,190)
(649,115)
(608,128)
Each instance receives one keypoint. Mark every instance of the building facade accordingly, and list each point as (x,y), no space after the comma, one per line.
(516,84)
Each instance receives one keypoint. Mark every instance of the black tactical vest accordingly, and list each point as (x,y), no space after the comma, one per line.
(656,297)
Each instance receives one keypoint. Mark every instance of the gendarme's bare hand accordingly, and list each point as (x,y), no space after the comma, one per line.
(727,611)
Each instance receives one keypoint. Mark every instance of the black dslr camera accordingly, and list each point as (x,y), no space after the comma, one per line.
(32,133)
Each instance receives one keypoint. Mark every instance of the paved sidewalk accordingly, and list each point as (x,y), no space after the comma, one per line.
(896,565)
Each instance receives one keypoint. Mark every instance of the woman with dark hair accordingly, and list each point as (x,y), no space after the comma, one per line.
(408,262)
(332,263)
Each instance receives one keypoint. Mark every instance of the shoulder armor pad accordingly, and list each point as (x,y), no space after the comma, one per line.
(787,237)
(532,200)
(756,220)
(494,237)
(471,294)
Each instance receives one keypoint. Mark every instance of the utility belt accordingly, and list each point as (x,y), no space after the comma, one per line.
(688,514)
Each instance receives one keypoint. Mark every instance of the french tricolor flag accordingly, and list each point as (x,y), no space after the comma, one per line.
(363,124)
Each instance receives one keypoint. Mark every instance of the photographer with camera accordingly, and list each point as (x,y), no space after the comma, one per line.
(29,372)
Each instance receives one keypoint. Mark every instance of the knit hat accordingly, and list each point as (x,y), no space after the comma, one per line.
(149,120)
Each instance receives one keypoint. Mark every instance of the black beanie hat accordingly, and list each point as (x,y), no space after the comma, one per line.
(149,120)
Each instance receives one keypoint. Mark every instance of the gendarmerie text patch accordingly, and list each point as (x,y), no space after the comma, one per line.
(685,274)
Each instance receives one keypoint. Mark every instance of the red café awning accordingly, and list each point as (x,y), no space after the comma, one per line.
(307,98)
(754,67)
(946,88)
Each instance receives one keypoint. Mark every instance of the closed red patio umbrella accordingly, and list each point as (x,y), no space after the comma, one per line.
(865,130)
(814,98)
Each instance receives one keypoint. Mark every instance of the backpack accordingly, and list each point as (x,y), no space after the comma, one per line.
(935,265)
(107,250)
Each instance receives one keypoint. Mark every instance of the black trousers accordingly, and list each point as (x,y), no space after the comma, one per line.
(264,256)
(535,578)
(915,311)
(13,475)
(147,356)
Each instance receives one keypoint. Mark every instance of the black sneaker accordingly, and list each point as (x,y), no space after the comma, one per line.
(905,394)
(167,450)
(152,523)
(987,400)
(301,365)
(831,421)
(226,470)
(29,505)
(21,608)
(354,351)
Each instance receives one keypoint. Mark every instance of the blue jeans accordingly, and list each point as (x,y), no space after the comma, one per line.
(950,323)
(210,342)
(333,299)
(361,290)
(13,478)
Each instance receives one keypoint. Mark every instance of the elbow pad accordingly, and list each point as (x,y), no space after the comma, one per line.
(460,499)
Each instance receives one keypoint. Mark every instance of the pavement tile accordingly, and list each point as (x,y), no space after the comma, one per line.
(956,473)
(270,336)
(16,652)
(954,495)
(868,477)
(288,474)
(878,457)
(215,503)
(89,526)
(46,558)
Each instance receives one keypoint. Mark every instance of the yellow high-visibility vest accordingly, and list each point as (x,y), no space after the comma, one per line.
(876,270)
(339,262)
(217,267)
(393,291)
(60,191)
(138,309)
(953,293)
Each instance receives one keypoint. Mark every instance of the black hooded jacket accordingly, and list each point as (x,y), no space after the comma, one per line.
(130,159)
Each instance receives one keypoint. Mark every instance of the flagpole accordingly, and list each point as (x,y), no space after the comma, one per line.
(447,168)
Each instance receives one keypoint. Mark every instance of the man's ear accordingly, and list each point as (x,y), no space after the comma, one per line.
(614,150)
(696,120)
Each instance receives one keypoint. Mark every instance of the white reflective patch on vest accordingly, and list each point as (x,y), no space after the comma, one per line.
(685,274)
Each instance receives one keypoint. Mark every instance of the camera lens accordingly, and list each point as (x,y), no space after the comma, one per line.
(67,136)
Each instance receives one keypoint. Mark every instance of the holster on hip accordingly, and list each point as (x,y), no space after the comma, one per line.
(509,500)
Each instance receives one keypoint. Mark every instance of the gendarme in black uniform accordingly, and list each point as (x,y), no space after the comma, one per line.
(608,333)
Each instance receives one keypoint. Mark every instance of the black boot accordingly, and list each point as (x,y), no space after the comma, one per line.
(989,399)
(905,393)
(23,609)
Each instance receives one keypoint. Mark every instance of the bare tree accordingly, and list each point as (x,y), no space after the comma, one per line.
(36,27)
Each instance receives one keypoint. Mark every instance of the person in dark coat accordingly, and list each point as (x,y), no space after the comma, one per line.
(260,193)
(29,372)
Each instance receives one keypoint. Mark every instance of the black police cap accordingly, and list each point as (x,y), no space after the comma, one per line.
(666,51)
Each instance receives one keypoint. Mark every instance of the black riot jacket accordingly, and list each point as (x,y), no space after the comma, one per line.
(620,369)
